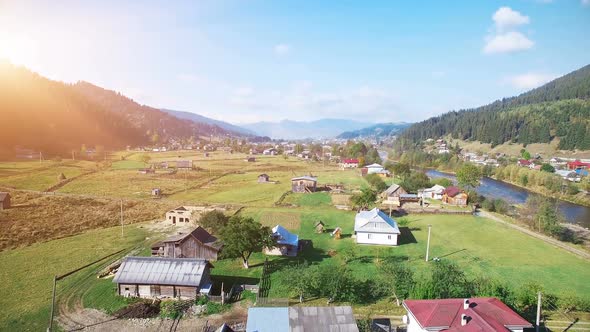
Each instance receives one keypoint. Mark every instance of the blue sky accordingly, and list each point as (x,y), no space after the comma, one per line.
(247,61)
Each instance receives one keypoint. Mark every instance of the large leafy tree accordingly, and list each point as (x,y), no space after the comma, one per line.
(469,175)
(214,221)
(398,279)
(364,199)
(243,236)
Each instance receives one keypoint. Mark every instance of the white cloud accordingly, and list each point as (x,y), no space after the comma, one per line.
(282,49)
(505,18)
(512,41)
(529,80)
(504,37)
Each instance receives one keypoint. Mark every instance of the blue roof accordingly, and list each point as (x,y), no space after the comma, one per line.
(268,320)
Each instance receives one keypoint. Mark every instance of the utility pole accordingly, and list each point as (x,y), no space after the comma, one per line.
(428,243)
(50,327)
(538,321)
(121,218)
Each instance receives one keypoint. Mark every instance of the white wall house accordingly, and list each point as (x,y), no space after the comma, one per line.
(375,227)
(182,215)
(436,192)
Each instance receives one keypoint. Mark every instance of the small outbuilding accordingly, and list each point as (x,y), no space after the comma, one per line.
(158,277)
(455,196)
(4,201)
(156,192)
(287,243)
(304,184)
(263,178)
(337,233)
(319,227)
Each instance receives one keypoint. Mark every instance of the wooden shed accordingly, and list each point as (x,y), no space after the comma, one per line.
(337,233)
(455,196)
(4,201)
(196,244)
(263,178)
(319,227)
(304,184)
(156,192)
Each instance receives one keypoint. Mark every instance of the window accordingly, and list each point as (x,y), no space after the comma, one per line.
(181,219)
(389,237)
(369,236)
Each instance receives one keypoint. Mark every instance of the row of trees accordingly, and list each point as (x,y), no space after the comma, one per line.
(397,281)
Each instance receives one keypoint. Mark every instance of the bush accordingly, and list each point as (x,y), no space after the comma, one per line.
(171,309)
(376,182)
(488,204)
(216,308)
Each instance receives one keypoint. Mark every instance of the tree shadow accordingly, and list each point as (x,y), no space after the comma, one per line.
(406,236)
(452,253)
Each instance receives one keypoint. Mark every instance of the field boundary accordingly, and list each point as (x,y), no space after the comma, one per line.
(547,239)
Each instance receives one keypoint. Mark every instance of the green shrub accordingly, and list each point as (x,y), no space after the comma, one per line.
(216,308)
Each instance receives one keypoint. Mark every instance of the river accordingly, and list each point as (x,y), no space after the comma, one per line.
(573,213)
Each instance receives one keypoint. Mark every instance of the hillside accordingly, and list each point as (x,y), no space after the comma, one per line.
(288,129)
(378,130)
(559,109)
(203,119)
(56,118)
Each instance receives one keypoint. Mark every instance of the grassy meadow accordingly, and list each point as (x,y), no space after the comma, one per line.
(62,232)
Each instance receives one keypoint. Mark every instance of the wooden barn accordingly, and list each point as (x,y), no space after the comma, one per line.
(304,184)
(184,164)
(263,178)
(158,277)
(455,196)
(196,244)
(4,201)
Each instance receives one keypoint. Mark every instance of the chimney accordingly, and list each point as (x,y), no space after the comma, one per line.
(464,318)
(465,304)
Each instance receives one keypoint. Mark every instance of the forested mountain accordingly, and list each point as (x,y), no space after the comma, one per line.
(560,108)
(203,119)
(378,130)
(56,118)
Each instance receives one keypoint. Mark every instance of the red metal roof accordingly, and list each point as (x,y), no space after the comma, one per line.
(484,314)
(351,161)
(578,163)
(452,191)
(524,162)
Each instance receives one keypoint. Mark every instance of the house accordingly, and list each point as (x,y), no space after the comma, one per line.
(474,314)
(286,319)
(455,196)
(304,184)
(156,192)
(287,243)
(523,163)
(568,175)
(196,244)
(270,152)
(349,163)
(263,178)
(182,214)
(4,201)
(577,164)
(184,164)
(435,192)
(159,277)
(319,227)
(250,159)
(392,194)
(375,169)
(557,162)
(375,227)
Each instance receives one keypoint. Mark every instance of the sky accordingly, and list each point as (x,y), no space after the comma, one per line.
(249,61)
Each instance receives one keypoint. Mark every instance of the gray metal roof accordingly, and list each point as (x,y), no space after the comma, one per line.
(308,178)
(375,221)
(161,271)
(301,319)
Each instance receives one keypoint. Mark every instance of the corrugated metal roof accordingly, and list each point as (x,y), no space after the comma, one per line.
(161,271)
(283,236)
(375,221)
(268,320)
(309,178)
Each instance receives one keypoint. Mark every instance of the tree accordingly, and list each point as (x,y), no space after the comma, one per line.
(401,170)
(302,279)
(399,280)
(214,221)
(417,180)
(547,217)
(442,182)
(526,155)
(468,175)
(376,182)
(547,168)
(243,236)
(364,199)
(448,281)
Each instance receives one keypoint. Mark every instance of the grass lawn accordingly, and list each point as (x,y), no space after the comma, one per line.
(28,272)
(128,164)
(41,178)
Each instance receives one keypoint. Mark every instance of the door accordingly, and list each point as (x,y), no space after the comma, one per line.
(174,220)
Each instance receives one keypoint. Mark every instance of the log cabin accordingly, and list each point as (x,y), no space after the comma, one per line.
(4,201)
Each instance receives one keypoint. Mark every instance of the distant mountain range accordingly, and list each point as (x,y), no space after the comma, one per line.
(203,119)
(559,110)
(376,131)
(288,129)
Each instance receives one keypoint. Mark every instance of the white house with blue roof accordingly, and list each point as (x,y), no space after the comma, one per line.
(375,227)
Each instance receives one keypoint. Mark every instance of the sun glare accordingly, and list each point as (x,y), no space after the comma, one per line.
(18,51)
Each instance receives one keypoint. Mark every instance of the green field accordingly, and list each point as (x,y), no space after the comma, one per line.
(479,246)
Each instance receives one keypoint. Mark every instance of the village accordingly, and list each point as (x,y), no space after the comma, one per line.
(301,208)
